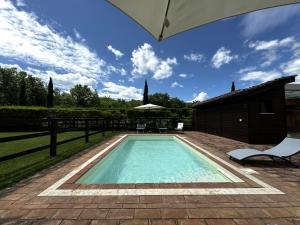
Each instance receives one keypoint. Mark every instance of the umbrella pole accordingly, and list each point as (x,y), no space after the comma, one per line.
(166,23)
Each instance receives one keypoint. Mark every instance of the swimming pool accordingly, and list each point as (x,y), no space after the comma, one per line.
(155,159)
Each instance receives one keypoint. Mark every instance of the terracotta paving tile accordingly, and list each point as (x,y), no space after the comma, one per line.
(151,199)
(128,199)
(147,213)
(278,221)
(19,222)
(174,213)
(109,206)
(134,222)
(220,222)
(50,222)
(85,206)
(248,222)
(93,214)
(12,197)
(173,199)
(295,211)
(279,212)
(120,214)
(296,221)
(105,199)
(71,214)
(213,213)
(134,206)
(22,205)
(16,213)
(163,222)
(76,222)
(105,222)
(254,213)
(191,222)
(40,214)
(60,206)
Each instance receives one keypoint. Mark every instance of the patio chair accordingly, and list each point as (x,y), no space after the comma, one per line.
(285,150)
(162,128)
(140,127)
(179,127)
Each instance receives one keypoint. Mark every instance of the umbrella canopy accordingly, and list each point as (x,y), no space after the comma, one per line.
(149,106)
(164,18)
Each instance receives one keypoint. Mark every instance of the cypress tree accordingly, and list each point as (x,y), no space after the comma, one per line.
(50,94)
(145,98)
(232,87)
(22,97)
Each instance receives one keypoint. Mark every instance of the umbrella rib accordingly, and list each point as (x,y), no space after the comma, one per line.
(164,22)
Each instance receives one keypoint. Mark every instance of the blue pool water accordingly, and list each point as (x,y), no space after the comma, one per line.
(153,159)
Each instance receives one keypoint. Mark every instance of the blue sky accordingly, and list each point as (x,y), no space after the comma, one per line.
(92,43)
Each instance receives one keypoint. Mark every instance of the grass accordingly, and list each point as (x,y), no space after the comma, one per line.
(12,171)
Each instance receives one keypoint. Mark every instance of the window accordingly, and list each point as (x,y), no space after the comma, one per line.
(266,106)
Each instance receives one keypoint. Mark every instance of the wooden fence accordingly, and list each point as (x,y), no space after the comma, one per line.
(90,126)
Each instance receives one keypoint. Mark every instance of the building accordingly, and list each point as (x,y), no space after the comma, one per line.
(292,93)
(253,115)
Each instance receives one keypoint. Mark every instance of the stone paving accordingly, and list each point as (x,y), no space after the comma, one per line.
(22,205)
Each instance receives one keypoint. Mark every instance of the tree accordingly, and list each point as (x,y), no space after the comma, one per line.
(50,94)
(22,97)
(36,91)
(8,85)
(82,95)
(145,97)
(161,99)
(232,86)
(176,103)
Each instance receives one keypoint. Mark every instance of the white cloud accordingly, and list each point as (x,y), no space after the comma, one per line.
(145,61)
(194,57)
(164,69)
(23,38)
(270,49)
(261,76)
(247,69)
(273,44)
(113,69)
(183,75)
(78,36)
(63,81)
(222,56)
(292,68)
(117,91)
(118,54)
(265,20)
(176,84)
(202,96)
(20,3)
(5,65)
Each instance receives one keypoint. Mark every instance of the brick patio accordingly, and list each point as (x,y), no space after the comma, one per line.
(22,205)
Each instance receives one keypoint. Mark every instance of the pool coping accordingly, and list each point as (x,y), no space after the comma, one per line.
(165,189)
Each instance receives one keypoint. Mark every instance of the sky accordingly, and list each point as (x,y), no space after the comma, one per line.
(92,43)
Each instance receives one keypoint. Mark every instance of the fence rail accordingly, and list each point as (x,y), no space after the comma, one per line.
(90,126)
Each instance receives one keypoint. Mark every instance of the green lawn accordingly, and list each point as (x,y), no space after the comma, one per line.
(16,169)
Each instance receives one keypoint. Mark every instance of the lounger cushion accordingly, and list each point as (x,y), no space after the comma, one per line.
(241,154)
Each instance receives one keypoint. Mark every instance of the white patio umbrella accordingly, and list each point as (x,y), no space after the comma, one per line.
(164,18)
(149,106)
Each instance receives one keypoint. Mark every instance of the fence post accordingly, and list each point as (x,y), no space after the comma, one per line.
(103,127)
(86,131)
(112,125)
(53,137)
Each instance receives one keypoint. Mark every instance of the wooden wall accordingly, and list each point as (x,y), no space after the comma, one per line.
(228,120)
(268,127)
(243,120)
